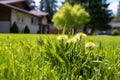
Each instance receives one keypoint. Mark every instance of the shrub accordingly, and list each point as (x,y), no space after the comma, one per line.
(115,32)
(26,29)
(71,16)
(14,28)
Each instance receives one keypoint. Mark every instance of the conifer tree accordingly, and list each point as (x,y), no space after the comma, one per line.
(100,15)
(31,4)
(49,6)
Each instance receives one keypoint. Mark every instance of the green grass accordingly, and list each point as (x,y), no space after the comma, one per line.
(43,57)
(107,41)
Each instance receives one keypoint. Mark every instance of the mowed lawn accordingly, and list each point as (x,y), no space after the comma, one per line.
(43,57)
(106,41)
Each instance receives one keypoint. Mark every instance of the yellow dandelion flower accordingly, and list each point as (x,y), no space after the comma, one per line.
(62,37)
(72,40)
(90,44)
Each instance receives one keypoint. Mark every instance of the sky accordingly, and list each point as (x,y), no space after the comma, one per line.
(113,5)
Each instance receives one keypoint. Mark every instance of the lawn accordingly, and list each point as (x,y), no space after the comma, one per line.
(43,57)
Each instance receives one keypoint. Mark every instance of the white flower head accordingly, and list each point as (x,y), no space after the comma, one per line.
(62,37)
(81,34)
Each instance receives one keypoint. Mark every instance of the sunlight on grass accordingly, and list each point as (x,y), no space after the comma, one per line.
(43,57)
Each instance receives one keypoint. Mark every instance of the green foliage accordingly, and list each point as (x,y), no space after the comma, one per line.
(49,6)
(51,59)
(14,28)
(116,18)
(31,4)
(72,17)
(26,29)
(74,61)
(100,16)
(73,2)
(115,32)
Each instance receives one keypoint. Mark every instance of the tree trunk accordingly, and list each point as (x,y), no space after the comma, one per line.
(75,30)
(85,30)
(92,31)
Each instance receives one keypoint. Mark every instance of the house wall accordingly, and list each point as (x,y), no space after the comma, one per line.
(4,19)
(44,21)
(15,17)
(4,27)
(44,27)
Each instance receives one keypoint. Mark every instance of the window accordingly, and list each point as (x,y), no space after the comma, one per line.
(33,21)
(20,18)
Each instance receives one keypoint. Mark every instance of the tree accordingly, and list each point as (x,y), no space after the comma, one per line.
(71,17)
(73,2)
(31,4)
(49,6)
(100,16)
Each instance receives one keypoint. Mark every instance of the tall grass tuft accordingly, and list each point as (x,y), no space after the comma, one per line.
(64,58)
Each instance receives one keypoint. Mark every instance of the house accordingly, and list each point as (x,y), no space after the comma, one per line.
(115,25)
(20,12)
